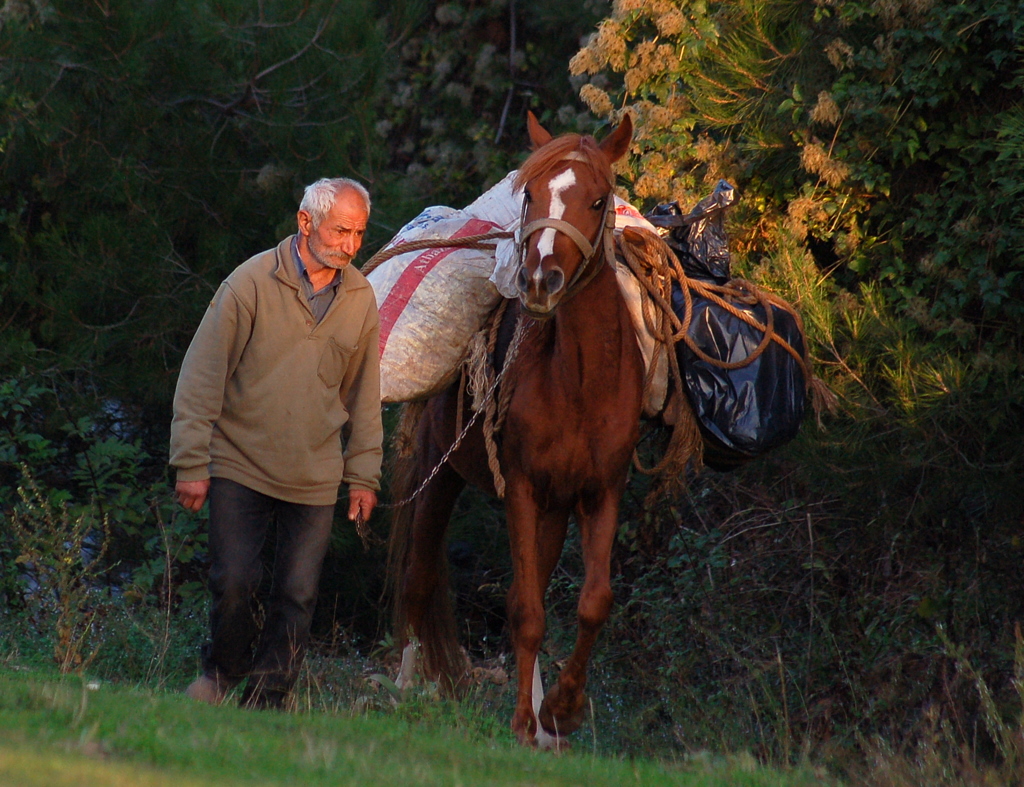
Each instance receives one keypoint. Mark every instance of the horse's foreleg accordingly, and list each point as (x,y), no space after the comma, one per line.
(536,541)
(563,709)
(526,621)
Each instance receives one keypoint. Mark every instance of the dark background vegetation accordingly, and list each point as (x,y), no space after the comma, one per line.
(858,592)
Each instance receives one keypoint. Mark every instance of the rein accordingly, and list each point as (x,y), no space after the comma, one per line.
(482,242)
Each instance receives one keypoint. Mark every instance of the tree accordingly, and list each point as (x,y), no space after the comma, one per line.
(148,148)
(869,130)
(453,113)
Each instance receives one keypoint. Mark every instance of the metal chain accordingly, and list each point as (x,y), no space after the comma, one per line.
(513,350)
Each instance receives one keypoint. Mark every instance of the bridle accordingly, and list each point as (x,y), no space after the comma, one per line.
(589,250)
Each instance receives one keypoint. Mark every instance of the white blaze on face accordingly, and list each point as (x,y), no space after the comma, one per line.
(557,187)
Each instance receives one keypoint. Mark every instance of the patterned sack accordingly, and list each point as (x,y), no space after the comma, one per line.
(431,302)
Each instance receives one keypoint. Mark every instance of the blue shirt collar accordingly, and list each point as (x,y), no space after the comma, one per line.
(300,266)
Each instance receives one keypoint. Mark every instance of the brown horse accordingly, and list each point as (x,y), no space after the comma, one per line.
(565,448)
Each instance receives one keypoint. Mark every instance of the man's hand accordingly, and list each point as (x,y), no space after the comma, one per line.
(361,501)
(192,494)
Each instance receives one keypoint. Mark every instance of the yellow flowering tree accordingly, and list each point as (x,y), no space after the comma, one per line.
(868,129)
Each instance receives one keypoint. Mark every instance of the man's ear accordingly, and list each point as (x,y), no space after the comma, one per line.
(304,222)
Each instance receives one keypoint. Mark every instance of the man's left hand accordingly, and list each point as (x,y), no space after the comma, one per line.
(361,501)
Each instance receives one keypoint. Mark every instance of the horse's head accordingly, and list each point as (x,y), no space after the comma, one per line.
(567,184)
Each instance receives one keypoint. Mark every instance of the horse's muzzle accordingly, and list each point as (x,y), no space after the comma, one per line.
(540,294)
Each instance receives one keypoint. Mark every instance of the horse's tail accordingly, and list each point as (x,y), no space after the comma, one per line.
(442,657)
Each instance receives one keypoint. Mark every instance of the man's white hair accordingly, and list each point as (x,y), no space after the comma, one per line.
(319,197)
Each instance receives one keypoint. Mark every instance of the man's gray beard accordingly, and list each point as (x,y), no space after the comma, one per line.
(329,259)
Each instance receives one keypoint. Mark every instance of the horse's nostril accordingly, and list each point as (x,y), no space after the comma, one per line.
(554,280)
(521,281)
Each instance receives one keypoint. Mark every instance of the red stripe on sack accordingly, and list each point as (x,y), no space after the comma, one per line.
(627,210)
(414,274)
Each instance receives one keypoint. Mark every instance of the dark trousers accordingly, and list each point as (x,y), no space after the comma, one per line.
(240,520)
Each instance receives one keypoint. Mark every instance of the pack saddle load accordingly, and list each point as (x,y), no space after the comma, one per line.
(722,357)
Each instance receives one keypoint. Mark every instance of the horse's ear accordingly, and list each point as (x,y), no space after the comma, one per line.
(615,145)
(538,135)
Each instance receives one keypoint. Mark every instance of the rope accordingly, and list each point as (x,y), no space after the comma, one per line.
(480,241)
(513,350)
(480,371)
(505,397)
(656,266)
(490,419)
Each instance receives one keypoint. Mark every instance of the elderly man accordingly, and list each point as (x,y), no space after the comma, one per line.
(277,405)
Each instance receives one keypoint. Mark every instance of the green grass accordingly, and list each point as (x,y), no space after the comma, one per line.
(58,731)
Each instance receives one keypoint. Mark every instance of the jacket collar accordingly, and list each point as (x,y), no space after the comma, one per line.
(286,270)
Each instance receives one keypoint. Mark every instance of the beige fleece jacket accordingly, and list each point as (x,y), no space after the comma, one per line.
(265,396)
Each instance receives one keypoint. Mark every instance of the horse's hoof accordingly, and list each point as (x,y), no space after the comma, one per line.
(542,741)
(548,742)
(560,718)
(523,727)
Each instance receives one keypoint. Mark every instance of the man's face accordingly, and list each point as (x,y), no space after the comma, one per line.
(340,235)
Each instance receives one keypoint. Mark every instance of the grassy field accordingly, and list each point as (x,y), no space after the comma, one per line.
(57,731)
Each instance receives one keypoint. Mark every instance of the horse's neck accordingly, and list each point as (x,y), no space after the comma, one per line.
(589,330)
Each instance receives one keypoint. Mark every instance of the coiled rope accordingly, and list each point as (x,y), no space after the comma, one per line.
(480,373)
(656,267)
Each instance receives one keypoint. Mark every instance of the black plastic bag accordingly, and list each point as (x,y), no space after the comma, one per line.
(744,412)
(698,238)
(750,410)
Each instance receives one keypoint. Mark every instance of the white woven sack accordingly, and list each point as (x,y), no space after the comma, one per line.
(635,296)
(500,204)
(431,302)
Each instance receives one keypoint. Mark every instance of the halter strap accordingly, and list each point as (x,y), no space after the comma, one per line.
(588,249)
(565,228)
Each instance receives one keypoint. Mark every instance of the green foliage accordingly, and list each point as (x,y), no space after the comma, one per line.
(62,555)
(76,506)
(148,149)
(457,89)
(870,130)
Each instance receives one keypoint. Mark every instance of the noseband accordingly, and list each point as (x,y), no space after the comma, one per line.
(589,250)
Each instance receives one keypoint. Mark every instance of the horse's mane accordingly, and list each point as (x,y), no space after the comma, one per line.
(548,156)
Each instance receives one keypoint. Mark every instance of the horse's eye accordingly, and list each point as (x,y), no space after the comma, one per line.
(527,196)
(598,205)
